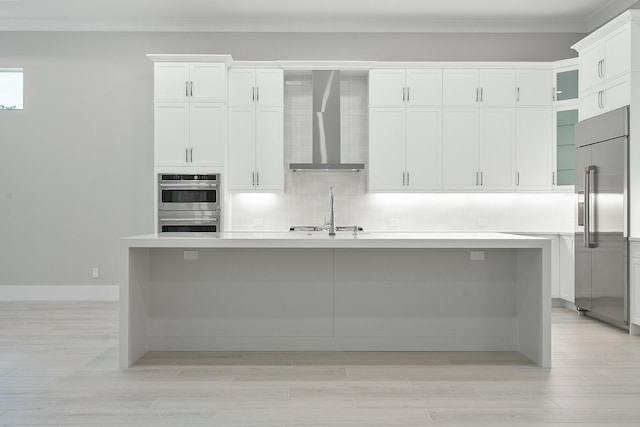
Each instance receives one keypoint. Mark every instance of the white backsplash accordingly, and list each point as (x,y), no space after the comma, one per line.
(305,200)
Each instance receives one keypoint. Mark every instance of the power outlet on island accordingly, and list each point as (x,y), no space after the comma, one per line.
(476,255)
(95,272)
(191,255)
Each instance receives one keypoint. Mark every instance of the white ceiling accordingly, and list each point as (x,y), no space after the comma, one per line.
(310,15)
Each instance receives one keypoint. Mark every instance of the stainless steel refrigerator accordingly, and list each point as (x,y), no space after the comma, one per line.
(602,226)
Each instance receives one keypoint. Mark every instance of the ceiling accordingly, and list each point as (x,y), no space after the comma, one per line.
(570,16)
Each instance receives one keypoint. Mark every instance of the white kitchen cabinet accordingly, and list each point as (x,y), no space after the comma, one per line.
(400,87)
(261,86)
(184,81)
(607,97)
(533,148)
(478,148)
(606,58)
(634,277)
(405,149)
(256,150)
(534,88)
(189,134)
(487,88)
(567,268)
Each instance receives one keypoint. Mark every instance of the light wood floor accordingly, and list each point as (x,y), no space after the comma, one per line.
(58,366)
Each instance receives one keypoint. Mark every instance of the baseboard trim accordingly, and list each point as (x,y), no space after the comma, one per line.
(60,293)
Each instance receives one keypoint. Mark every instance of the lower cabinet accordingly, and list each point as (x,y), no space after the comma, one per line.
(567,268)
(634,273)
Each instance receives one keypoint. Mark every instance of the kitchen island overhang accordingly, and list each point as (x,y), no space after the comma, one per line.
(308,292)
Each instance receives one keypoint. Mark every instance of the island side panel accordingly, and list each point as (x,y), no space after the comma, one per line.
(534,306)
(240,299)
(134,304)
(425,299)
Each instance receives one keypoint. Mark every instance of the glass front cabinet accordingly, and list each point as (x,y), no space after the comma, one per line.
(565,117)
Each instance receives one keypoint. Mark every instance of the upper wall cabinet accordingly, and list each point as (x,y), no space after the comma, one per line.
(399,87)
(183,81)
(487,88)
(248,86)
(606,58)
(534,88)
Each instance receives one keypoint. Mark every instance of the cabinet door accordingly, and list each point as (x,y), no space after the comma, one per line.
(534,142)
(590,65)
(634,273)
(460,87)
(241,148)
(617,53)
(496,147)
(616,94)
(387,149)
(207,136)
(497,88)
(424,87)
(242,83)
(208,82)
(567,266)
(564,146)
(387,88)
(269,148)
(170,81)
(270,87)
(171,133)
(534,88)
(459,145)
(423,148)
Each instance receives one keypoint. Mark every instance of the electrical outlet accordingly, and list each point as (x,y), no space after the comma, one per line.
(95,272)
(191,255)
(476,255)
(258,221)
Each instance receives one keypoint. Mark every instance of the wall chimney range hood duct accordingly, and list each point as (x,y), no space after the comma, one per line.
(326,126)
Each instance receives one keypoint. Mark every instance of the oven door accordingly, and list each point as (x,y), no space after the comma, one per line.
(189,222)
(188,196)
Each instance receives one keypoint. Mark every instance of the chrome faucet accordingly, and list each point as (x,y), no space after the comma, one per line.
(332,221)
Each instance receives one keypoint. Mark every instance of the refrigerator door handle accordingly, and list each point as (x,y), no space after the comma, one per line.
(588,242)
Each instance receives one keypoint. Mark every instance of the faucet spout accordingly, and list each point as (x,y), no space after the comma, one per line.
(332,221)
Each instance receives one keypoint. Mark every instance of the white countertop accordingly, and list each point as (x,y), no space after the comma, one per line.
(342,239)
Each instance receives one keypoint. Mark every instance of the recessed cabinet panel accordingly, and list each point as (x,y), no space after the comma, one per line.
(497,88)
(171,134)
(567,267)
(565,146)
(242,86)
(495,151)
(460,87)
(459,145)
(533,88)
(208,123)
(241,147)
(387,88)
(387,149)
(424,87)
(423,148)
(208,82)
(590,65)
(170,81)
(269,148)
(533,148)
(270,87)
(617,53)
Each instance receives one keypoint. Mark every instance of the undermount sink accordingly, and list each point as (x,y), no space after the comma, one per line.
(323,228)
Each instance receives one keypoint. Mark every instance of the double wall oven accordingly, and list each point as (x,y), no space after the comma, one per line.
(189,203)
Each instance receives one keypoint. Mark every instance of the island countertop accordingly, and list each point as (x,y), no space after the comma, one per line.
(342,239)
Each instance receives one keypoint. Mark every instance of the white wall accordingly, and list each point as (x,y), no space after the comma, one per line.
(76,163)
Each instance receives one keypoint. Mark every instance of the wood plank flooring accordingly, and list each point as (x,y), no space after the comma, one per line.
(59,367)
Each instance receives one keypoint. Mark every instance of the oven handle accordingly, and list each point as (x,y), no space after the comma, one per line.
(189,219)
(202,184)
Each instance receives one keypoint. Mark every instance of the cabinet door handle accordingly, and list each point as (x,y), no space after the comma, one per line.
(257,178)
(404,94)
(604,100)
(258,93)
(408,94)
(481,100)
(408,179)
(553,94)
(253,93)
(603,67)
(517,178)
(481,178)
(191,155)
(404,179)
(190,88)
(477,94)
(186,89)
(186,155)
(517,94)
(253,178)
(553,177)
(476,177)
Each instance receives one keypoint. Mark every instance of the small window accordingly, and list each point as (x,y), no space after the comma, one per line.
(11,89)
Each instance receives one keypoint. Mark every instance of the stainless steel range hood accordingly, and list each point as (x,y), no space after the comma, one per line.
(326,126)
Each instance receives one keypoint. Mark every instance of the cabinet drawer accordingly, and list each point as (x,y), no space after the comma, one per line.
(608,97)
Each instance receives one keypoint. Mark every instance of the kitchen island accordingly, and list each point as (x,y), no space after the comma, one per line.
(310,291)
